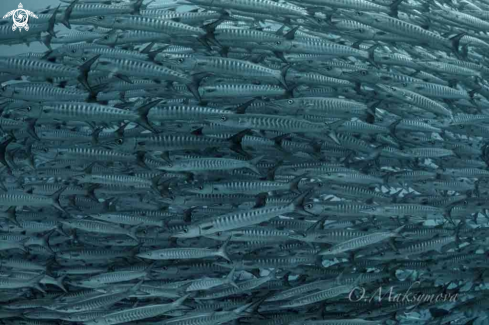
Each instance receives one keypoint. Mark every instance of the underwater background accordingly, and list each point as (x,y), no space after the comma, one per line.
(204,162)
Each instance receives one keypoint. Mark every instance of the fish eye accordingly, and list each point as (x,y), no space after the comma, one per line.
(29,108)
(181,60)
(278,43)
(290,101)
(73,51)
(310,206)
(359,13)
(201,187)
(218,233)
(361,30)
(364,73)
(224,118)
(106,37)
(100,17)
(185,230)
(83,59)
(465,202)
(120,141)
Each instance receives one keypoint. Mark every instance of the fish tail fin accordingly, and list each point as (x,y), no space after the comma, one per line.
(294,183)
(59,283)
(194,85)
(31,128)
(136,287)
(230,278)
(137,6)
(298,202)
(210,28)
(253,162)
(222,250)
(371,55)
(455,41)
(66,17)
(397,231)
(55,199)
(84,70)
(34,282)
(51,23)
(181,300)
(143,112)
(153,54)
(394,8)
(46,40)
(236,142)
(45,240)
(132,232)
(12,216)
(282,74)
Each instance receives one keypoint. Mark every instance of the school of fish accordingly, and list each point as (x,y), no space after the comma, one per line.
(204,162)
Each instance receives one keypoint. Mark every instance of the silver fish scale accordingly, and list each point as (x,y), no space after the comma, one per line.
(110,52)
(401,27)
(37,68)
(279,261)
(148,24)
(86,153)
(245,90)
(128,219)
(76,36)
(234,66)
(276,123)
(120,179)
(242,287)
(48,94)
(263,6)
(141,68)
(88,111)
(132,37)
(321,295)
(245,35)
(118,276)
(257,234)
(190,18)
(436,90)
(245,186)
(93,9)
(164,113)
(426,245)
(174,142)
(24,199)
(250,217)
